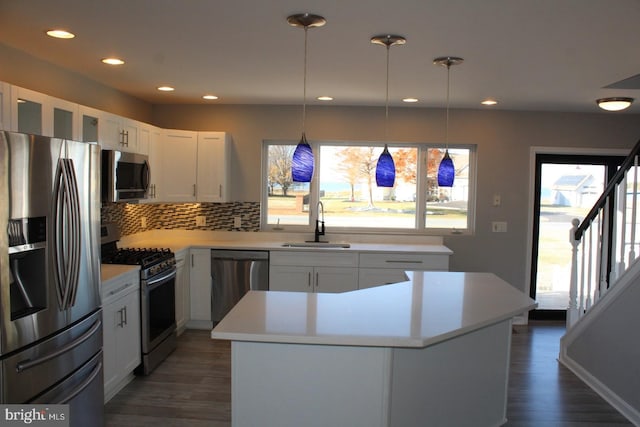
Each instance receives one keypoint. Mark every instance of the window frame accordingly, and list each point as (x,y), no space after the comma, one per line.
(421,190)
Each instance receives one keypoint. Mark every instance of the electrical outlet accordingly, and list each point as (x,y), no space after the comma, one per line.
(499,227)
(497,200)
(201,221)
(143,222)
(237,222)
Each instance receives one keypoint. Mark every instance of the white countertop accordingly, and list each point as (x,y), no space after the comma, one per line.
(270,245)
(110,271)
(429,308)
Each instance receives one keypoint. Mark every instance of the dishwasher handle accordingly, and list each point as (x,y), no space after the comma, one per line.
(239,255)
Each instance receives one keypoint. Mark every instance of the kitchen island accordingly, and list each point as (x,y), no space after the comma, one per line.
(432,351)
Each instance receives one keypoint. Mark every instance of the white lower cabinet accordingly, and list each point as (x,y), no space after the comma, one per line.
(121,331)
(182,290)
(301,271)
(200,289)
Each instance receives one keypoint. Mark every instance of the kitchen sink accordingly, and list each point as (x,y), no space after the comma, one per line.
(312,244)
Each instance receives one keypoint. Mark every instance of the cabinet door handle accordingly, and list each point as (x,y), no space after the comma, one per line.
(309,279)
(124,310)
(220,191)
(192,261)
(120,323)
(194,190)
(317,280)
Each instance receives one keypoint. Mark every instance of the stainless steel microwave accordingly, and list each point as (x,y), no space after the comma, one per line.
(125,176)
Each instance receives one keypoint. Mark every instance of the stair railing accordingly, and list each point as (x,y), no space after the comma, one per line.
(605,243)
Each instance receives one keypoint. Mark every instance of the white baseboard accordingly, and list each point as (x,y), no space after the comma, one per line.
(631,413)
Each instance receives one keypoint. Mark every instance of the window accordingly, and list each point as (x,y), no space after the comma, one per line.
(344,181)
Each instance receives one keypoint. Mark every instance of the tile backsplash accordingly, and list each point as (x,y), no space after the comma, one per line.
(217,216)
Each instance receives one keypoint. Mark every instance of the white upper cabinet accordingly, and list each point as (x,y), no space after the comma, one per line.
(118,133)
(149,144)
(178,152)
(40,114)
(194,166)
(5,106)
(212,167)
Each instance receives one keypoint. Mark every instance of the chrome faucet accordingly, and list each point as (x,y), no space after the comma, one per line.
(319,224)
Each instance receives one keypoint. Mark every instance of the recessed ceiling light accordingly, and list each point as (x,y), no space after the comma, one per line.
(325,98)
(209,97)
(166,89)
(60,34)
(614,104)
(410,100)
(489,102)
(112,61)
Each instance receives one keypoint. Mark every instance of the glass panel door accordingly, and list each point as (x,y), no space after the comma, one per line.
(567,186)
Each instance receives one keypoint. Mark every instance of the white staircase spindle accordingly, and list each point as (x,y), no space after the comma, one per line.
(634,199)
(589,266)
(622,227)
(582,276)
(603,284)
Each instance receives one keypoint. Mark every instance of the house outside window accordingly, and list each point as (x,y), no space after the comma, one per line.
(344,181)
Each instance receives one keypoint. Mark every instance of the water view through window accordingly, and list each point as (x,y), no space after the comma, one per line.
(344,181)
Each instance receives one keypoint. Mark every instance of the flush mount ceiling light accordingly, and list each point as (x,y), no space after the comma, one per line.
(614,104)
(302,161)
(446,170)
(386,168)
(60,34)
(112,61)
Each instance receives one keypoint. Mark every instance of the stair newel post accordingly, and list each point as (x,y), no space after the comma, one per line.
(572,311)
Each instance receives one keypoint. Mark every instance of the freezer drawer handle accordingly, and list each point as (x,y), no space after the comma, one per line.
(81,386)
(28,364)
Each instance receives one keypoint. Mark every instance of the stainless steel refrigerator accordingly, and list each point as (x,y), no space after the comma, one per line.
(51,319)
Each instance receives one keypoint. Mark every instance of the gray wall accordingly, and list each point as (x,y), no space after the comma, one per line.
(609,348)
(503,139)
(28,72)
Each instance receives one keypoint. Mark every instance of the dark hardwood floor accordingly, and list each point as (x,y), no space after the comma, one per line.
(193,387)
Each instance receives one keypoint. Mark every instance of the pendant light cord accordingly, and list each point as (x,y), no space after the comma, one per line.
(304,81)
(386,109)
(446,134)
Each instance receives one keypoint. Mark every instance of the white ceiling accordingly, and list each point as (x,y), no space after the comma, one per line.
(553,55)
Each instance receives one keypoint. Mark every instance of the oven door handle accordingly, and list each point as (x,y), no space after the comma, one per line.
(170,275)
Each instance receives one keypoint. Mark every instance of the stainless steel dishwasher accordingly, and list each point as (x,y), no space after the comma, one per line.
(233,274)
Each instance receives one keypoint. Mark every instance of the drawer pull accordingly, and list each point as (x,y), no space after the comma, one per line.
(400,261)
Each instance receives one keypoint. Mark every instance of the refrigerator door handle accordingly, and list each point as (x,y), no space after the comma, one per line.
(66,216)
(80,388)
(28,364)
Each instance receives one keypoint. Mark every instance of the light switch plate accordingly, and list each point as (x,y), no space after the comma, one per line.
(237,221)
(201,221)
(499,226)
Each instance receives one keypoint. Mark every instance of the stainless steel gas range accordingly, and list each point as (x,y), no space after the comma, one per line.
(157,298)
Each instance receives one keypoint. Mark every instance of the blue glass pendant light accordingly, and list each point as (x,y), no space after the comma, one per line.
(446,170)
(386,168)
(302,161)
